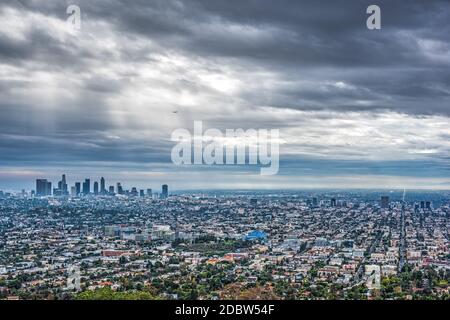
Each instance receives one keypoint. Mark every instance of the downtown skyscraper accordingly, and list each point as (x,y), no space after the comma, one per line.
(43,187)
(165,191)
(87,186)
(102,186)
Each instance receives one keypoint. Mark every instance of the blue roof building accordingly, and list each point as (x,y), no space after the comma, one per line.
(256,235)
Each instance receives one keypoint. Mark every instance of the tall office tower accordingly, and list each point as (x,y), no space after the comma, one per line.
(119,188)
(141,193)
(48,190)
(102,186)
(73,191)
(78,188)
(149,192)
(41,187)
(64,188)
(384,202)
(333,202)
(111,190)
(422,204)
(96,188)
(134,192)
(428,205)
(87,186)
(57,192)
(165,191)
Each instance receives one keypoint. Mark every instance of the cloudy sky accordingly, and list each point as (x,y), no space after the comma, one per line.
(355,107)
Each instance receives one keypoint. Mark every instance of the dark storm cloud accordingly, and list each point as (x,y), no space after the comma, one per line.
(38,150)
(11,49)
(325,41)
(291,38)
(300,32)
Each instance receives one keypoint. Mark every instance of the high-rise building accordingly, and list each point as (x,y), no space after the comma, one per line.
(428,205)
(96,188)
(149,192)
(384,202)
(111,190)
(119,188)
(64,187)
(102,185)
(43,187)
(78,188)
(57,192)
(49,188)
(165,191)
(73,191)
(134,192)
(41,184)
(141,193)
(87,186)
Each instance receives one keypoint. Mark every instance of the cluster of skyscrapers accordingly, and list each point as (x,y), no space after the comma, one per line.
(44,188)
(422,205)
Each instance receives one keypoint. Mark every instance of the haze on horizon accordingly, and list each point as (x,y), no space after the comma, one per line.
(356,108)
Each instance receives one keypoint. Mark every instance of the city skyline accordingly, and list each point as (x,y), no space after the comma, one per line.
(30,185)
(43,187)
(46,188)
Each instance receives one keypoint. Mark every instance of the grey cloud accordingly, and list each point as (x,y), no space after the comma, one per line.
(285,54)
(289,38)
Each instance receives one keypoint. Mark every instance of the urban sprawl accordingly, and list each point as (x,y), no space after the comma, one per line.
(113,243)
